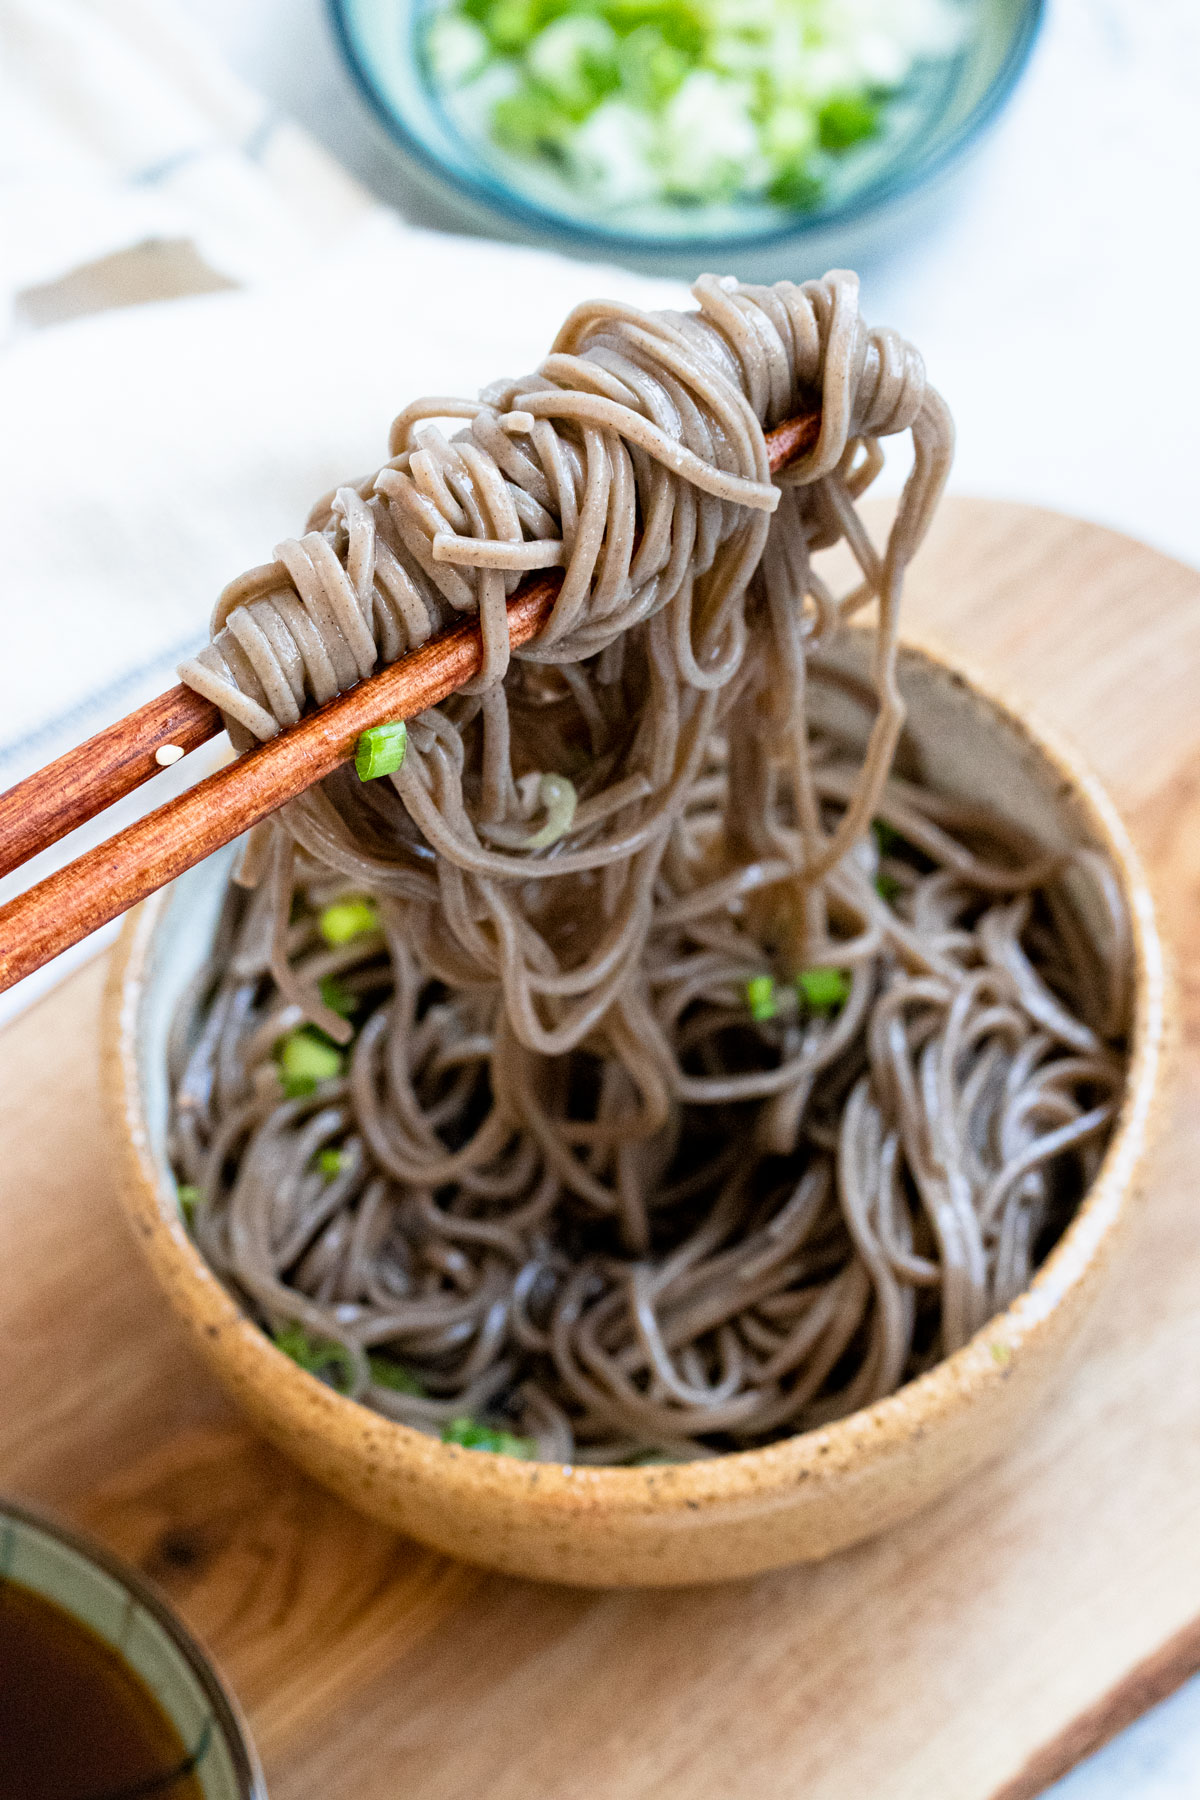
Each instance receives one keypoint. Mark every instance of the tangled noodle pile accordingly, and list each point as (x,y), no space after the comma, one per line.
(638,1072)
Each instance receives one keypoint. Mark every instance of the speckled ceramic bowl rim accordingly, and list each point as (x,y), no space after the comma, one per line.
(225,1710)
(303,1405)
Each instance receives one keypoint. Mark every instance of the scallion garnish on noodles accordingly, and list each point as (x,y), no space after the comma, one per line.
(559,798)
(380,750)
(344,920)
(822,989)
(471,1435)
(189,1199)
(760,998)
(337,996)
(394,1376)
(306,1057)
(330,1362)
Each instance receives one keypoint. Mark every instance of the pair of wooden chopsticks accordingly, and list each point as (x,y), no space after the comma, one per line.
(108,880)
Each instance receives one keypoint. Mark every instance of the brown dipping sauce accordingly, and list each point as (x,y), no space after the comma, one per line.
(75,1722)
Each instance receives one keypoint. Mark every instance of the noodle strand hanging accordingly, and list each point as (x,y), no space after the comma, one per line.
(639,1071)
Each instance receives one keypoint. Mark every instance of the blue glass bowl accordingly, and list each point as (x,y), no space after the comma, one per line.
(134,1622)
(879,197)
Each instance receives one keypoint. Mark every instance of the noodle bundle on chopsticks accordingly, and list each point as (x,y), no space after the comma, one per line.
(638,1071)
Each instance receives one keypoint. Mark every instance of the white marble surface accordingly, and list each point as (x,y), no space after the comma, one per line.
(1056,302)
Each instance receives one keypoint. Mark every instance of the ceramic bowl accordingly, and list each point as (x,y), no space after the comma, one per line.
(733,1515)
(874,203)
(118,1606)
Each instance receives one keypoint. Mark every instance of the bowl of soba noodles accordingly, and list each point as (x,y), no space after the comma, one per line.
(666,1113)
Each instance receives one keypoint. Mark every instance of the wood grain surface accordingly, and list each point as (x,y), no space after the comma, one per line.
(971,1655)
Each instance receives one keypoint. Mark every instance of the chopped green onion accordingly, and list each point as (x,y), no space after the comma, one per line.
(474,1436)
(846,120)
(458,49)
(760,997)
(510,24)
(888,840)
(559,798)
(822,990)
(795,187)
(347,919)
(530,123)
(189,1199)
(330,1162)
(679,22)
(380,750)
(337,996)
(306,1057)
(886,836)
(651,67)
(575,62)
(318,1357)
(393,1376)
(644,102)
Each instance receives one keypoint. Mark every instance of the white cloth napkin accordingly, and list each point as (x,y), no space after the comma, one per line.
(203,326)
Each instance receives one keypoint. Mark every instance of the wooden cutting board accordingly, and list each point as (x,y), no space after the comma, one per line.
(972,1655)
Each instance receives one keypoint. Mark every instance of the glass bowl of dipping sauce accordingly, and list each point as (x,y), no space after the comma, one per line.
(103,1693)
(774,137)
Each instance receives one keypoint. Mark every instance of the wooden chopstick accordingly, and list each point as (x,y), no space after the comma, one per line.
(108,880)
(105,882)
(76,786)
(43,808)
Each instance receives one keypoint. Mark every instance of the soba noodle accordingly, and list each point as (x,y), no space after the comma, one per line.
(701,1078)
